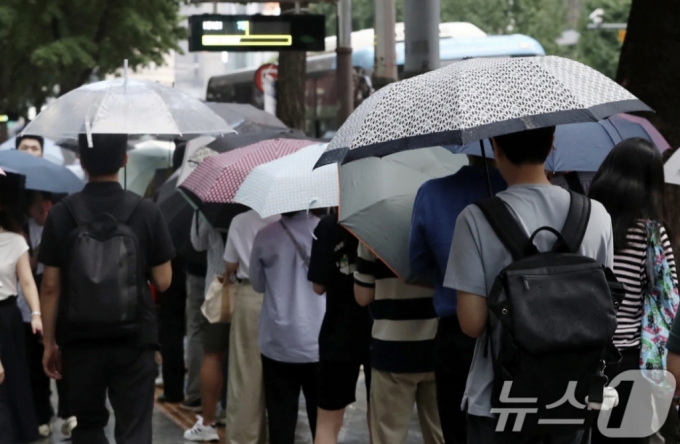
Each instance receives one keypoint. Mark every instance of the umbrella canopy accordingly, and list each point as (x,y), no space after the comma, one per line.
(377,197)
(51,151)
(584,146)
(290,184)
(671,169)
(217,179)
(122,106)
(238,114)
(191,161)
(476,99)
(41,174)
(143,161)
(176,211)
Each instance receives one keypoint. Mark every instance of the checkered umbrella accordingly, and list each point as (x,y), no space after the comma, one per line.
(216,180)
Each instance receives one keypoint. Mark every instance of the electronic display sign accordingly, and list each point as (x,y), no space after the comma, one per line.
(213,32)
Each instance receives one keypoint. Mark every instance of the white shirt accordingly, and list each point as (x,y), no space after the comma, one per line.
(206,238)
(242,232)
(34,235)
(12,246)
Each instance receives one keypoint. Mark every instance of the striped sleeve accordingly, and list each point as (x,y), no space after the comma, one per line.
(365,267)
(630,269)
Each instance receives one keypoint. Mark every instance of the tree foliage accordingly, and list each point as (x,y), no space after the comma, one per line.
(542,19)
(600,48)
(49,47)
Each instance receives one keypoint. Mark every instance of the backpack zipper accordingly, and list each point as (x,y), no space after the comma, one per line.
(527,277)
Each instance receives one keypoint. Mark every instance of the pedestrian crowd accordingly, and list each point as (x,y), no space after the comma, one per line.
(531,292)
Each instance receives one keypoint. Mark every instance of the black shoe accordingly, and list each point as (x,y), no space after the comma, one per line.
(162,398)
(194,406)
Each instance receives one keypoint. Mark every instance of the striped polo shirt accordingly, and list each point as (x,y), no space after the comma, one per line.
(405,322)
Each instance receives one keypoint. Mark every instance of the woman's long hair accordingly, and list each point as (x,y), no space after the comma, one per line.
(630,185)
(8,222)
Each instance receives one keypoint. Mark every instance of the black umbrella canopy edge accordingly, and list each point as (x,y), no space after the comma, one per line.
(466,136)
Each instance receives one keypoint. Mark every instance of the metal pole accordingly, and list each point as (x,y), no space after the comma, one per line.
(421,35)
(385,70)
(344,72)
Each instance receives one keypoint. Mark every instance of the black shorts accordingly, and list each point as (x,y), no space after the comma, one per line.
(216,337)
(337,383)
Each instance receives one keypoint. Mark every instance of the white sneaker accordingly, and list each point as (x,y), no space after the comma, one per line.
(44,431)
(221,417)
(200,432)
(68,426)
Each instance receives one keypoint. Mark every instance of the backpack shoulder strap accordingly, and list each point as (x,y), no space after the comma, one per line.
(79,211)
(506,227)
(301,251)
(576,224)
(130,203)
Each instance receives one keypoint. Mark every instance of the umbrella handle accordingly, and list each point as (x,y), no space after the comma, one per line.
(309,207)
(486,168)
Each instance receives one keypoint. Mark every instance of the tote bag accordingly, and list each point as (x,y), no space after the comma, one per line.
(218,305)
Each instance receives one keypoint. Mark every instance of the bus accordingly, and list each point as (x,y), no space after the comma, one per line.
(458,41)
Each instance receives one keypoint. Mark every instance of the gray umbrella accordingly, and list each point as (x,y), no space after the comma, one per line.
(377,196)
(475,99)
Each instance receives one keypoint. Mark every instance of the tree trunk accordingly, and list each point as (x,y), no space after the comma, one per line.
(650,62)
(290,86)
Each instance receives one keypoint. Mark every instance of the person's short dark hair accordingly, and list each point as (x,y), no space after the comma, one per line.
(106,156)
(39,139)
(527,147)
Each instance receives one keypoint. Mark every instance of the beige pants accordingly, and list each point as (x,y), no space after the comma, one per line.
(246,422)
(392,399)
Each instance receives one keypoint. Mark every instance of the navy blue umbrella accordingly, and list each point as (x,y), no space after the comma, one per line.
(584,146)
(41,174)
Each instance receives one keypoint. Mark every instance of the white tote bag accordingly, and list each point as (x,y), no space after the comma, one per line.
(218,305)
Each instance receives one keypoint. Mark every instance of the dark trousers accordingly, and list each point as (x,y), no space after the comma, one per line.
(282,384)
(127,373)
(453,357)
(17,415)
(482,430)
(171,324)
(40,382)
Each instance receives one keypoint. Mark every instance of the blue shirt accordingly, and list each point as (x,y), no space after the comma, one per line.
(291,314)
(437,206)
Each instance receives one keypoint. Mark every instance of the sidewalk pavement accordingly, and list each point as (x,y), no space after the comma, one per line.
(169,423)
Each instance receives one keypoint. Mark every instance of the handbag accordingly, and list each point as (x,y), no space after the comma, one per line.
(218,305)
(660,304)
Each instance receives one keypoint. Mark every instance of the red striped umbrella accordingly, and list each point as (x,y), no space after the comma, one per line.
(217,179)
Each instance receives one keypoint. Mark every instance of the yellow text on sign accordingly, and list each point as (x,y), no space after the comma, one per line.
(247,39)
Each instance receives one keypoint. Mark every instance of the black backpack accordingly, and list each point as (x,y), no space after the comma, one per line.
(557,310)
(105,273)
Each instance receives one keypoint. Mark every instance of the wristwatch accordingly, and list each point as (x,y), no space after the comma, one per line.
(36,313)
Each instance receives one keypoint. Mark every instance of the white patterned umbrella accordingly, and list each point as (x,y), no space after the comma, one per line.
(290,184)
(476,99)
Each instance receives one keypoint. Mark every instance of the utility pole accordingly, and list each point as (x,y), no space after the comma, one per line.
(385,67)
(344,73)
(421,35)
(292,76)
